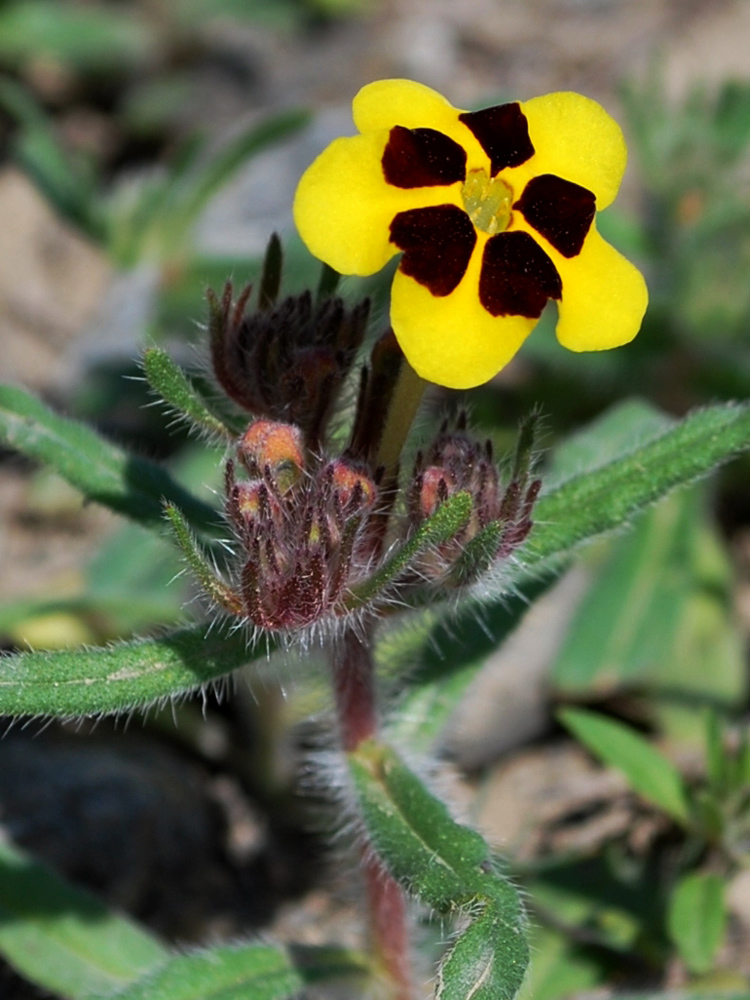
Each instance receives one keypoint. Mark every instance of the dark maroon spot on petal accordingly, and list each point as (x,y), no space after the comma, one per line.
(437,244)
(517,276)
(503,133)
(422,157)
(560,210)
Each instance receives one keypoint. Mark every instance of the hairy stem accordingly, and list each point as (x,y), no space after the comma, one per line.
(354,687)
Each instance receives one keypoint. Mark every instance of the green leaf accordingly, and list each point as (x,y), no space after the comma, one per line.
(63,939)
(448,867)
(243,971)
(439,656)
(216,589)
(608,497)
(697,919)
(171,383)
(560,967)
(659,614)
(622,428)
(717,760)
(121,677)
(446,522)
(103,472)
(648,771)
(231,973)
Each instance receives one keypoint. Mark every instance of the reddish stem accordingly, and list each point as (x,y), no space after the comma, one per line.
(353,676)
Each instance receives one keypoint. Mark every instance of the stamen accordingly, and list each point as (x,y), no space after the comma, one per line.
(487,201)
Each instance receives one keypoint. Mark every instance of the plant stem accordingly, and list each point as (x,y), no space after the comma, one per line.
(407,395)
(354,686)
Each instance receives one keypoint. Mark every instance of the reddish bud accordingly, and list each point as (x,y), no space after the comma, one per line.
(289,358)
(456,463)
(436,484)
(300,539)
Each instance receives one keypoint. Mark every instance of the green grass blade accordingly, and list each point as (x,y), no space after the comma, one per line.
(648,771)
(36,148)
(63,939)
(449,868)
(205,183)
(120,677)
(128,484)
(697,919)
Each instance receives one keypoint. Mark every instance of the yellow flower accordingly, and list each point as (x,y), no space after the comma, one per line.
(494,212)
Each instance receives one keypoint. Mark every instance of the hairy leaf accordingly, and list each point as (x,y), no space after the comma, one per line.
(243,971)
(449,868)
(446,522)
(128,484)
(169,380)
(622,428)
(120,677)
(62,938)
(648,771)
(216,588)
(606,498)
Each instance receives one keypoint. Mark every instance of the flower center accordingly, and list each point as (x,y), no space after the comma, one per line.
(487,201)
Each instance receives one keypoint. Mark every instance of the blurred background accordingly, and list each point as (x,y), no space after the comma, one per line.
(148,149)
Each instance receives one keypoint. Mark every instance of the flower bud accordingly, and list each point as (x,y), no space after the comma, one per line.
(354,488)
(274,449)
(500,520)
(300,533)
(436,484)
(288,360)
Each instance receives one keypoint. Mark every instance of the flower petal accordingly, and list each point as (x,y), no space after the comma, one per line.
(386,103)
(422,157)
(517,276)
(604,297)
(437,244)
(503,133)
(343,207)
(453,340)
(560,210)
(576,139)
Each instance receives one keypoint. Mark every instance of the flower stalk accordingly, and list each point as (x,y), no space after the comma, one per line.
(356,708)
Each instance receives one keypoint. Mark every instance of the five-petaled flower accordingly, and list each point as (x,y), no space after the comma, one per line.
(494,212)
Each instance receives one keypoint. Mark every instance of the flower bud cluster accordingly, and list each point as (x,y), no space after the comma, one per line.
(322,537)
(300,528)
(500,519)
(286,362)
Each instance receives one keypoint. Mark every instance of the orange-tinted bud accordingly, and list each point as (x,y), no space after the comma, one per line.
(276,446)
(252,500)
(353,486)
